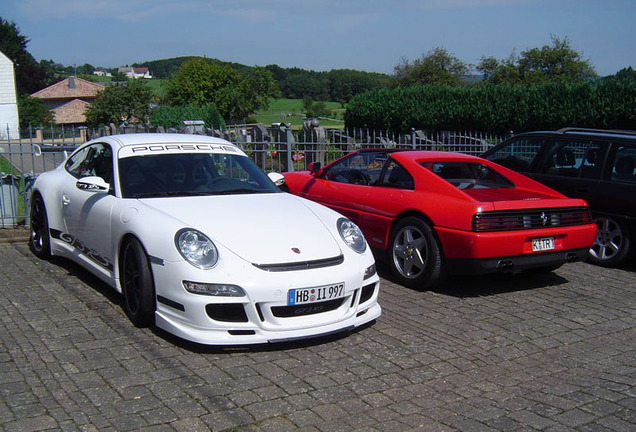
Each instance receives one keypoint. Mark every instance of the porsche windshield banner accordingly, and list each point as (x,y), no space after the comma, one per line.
(148,149)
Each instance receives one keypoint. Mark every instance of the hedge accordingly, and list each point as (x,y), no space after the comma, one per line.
(609,104)
(169,116)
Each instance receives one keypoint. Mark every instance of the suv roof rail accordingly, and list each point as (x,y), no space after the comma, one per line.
(602,131)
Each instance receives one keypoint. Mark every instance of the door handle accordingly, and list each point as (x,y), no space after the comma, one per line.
(65,200)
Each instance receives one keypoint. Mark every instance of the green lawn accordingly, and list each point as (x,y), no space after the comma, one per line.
(291,111)
(4,166)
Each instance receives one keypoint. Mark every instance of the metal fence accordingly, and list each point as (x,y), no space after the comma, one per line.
(276,148)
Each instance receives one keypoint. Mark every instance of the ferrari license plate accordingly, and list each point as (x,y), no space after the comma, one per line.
(316,294)
(542,244)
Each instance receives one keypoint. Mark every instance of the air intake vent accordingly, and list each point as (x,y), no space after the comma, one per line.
(301,265)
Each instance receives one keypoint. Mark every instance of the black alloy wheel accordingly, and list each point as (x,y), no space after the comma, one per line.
(39,240)
(137,284)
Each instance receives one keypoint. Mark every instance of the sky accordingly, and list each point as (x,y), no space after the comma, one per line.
(320,35)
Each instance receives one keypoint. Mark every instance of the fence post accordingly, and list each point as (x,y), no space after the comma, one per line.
(289,139)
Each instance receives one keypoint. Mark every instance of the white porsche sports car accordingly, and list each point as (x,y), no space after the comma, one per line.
(202,243)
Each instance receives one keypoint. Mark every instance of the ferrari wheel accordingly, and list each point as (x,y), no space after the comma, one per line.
(611,245)
(39,240)
(415,255)
(137,284)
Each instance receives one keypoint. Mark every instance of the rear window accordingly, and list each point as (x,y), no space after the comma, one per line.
(467,175)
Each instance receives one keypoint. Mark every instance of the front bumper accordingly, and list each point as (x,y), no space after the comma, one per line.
(262,315)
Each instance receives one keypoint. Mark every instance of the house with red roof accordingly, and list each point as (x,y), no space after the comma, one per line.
(135,72)
(69,98)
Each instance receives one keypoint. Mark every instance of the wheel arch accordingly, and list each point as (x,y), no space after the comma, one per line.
(48,206)
(120,250)
(413,213)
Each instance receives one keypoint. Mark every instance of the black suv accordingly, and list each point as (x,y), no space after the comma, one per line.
(594,164)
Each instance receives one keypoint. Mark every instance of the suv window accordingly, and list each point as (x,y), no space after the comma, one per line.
(573,157)
(519,154)
(624,165)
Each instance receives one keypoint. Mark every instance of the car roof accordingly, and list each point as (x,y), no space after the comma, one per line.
(434,156)
(156,143)
(587,132)
(431,155)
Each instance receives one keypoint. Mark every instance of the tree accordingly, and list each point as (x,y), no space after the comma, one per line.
(118,76)
(121,102)
(626,74)
(437,67)
(29,75)
(256,90)
(85,69)
(33,112)
(199,81)
(558,62)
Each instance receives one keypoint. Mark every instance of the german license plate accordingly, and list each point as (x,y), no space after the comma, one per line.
(315,294)
(542,244)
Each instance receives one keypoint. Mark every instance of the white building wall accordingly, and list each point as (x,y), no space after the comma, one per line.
(9,123)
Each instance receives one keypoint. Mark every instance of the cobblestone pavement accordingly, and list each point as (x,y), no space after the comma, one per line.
(549,351)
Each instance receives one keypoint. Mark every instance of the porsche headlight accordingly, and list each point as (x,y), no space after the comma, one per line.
(351,235)
(212,289)
(196,248)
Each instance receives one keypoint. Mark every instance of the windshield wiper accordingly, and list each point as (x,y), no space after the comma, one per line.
(164,194)
(237,191)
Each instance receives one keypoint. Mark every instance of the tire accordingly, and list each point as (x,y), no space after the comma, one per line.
(414,254)
(39,240)
(612,243)
(137,284)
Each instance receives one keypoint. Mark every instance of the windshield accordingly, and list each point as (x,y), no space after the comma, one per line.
(466,175)
(191,174)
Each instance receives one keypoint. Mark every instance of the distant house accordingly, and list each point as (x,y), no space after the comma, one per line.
(100,71)
(135,72)
(68,99)
(9,124)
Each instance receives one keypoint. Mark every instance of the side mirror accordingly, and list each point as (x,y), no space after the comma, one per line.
(276,178)
(315,167)
(92,184)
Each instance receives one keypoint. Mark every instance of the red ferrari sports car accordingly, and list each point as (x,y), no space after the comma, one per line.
(440,213)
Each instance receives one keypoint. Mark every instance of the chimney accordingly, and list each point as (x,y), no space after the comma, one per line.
(71,82)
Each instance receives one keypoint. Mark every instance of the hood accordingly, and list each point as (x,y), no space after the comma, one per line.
(260,228)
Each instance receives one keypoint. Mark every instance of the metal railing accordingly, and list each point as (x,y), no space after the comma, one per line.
(276,148)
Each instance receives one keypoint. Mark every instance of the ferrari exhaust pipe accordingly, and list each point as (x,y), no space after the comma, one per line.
(505,266)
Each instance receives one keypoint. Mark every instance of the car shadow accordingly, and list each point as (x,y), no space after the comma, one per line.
(498,283)
(75,270)
(72,269)
(263,347)
(485,285)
